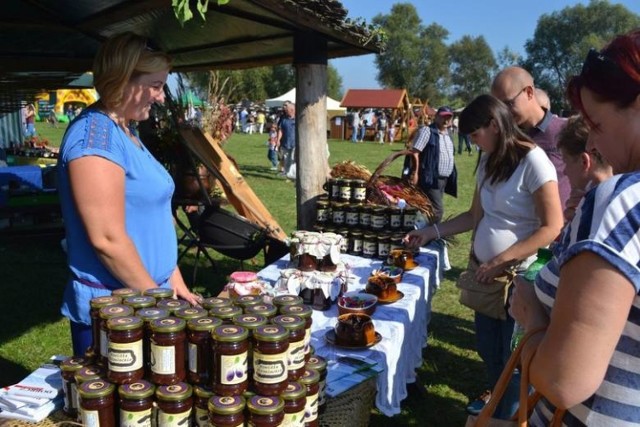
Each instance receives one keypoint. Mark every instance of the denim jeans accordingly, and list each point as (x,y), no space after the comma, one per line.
(493,341)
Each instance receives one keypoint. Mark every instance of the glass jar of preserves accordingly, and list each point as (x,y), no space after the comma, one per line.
(337,213)
(270,353)
(355,243)
(265,411)
(333,189)
(262,309)
(369,245)
(230,346)
(68,368)
(89,373)
(295,354)
(379,218)
(383,245)
(307,262)
(139,302)
(322,212)
(173,305)
(199,355)
(245,301)
(395,218)
(125,293)
(395,241)
(175,404)
(250,322)
(191,313)
(226,411)
(352,215)
(365,217)
(285,300)
(209,303)
(106,313)
(125,355)
(201,405)
(310,379)
(305,312)
(96,304)
(97,404)
(295,401)
(225,313)
(159,293)
(147,315)
(136,404)
(345,191)
(358,191)
(409,218)
(167,351)
(319,364)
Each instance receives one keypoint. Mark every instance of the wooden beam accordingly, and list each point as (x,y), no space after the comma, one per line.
(122,12)
(232,43)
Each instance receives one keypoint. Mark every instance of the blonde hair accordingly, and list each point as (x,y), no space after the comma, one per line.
(121,58)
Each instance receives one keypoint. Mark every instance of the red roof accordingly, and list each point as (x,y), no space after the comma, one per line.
(375,98)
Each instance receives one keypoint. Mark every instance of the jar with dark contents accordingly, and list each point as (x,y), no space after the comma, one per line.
(358,191)
(200,405)
(136,404)
(344,242)
(225,313)
(159,293)
(395,241)
(191,313)
(383,245)
(322,212)
(337,213)
(209,303)
(199,358)
(379,218)
(125,293)
(175,405)
(125,360)
(262,309)
(305,312)
(365,217)
(106,313)
(250,322)
(352,215)
(270,354)
(395,218)
(286,300)
(139,302)
(245,301)
(68,368)
(97,403)
(345,191)
(265,411)
(96,304)
(230,347)
(369,245)
(295,354)
(295,401)
(319,364)
(310,379)
(89,373)
(167,351)
(334,188)
(173,305)
(148,315)
(226,411)
(409,218)
(354,243)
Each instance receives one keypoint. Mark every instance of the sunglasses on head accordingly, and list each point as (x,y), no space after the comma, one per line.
(597,65)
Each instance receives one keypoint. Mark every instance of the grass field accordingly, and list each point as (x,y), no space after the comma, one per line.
(34,275)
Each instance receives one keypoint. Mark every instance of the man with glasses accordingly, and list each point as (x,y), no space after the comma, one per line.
(514,86)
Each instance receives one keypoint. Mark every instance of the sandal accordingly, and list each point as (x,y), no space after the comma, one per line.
(476,406)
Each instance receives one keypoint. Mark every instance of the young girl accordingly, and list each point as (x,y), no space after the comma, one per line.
(272,154)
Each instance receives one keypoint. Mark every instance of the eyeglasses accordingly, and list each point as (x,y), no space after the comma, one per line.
(512,102)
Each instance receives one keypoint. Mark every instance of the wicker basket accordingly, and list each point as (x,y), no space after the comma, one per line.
(352,408)
(56,419)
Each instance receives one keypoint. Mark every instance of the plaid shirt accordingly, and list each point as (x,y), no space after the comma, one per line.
(445,161)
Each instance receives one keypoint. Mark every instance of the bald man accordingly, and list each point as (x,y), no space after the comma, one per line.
(514,86)
(543,99)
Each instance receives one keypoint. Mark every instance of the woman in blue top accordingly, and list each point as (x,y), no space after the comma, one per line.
(588,296)
(115,197)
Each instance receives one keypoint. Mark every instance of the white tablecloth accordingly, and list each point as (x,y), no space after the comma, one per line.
(403,324)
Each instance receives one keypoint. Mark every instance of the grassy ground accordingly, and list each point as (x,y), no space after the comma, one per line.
(34,276)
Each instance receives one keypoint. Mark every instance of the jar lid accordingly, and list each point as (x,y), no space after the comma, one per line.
(203,323)
(115,310)
(346,181)
(263,309)
(294,391)
(202,392)
(316,362)
(282,300)
(158,293)
(370,235)
(379,209)
(125,292)
(249,321)
(359,182)
(357,233)
(88,373)
(338,204)
(209,303)
(247,300)
(73,363)
(263,405)
(173,305)
(125,323)
(271,333)
(410,209)
(168,324)
(289,322)
(225,312)
(303,311)
(384,236)
(99,302)
(230,333)
(140,389)
(139,301)
(179,391)
(226,405)
(152,313)
(323,203)
(191,313)
(243,276)
(95,388)
(310,376)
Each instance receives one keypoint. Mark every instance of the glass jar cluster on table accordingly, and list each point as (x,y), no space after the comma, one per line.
(159,361)
(370,230)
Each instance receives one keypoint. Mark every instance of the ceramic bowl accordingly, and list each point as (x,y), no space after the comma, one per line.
(357,302)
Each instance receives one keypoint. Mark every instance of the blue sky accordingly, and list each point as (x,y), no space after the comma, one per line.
(501,22)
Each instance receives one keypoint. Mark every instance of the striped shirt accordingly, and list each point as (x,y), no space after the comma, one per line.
(607,223)
(445,161)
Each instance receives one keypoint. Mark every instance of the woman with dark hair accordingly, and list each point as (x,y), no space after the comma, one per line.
(587,297)
(515,210)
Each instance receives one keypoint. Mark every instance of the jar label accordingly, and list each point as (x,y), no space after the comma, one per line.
(173,420)
(125,357)
(335,191)
(369,248)
(75,396)
(311,408)
(345,192)
(233,369)
(193,357)
(383,249)
(365,219)
(89,418)
(352,218)
(395,221)
(202,417)
(135,419)
(68,399)
(338,217)
(322,215)
(296,355)
(357,245)
(377,221)
(360,194)
(269,368)
(322,390)
(163,359)
(409,220)
(104,344)
(307,341)
(295,419)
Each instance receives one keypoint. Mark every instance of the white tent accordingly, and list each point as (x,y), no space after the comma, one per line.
(333,106)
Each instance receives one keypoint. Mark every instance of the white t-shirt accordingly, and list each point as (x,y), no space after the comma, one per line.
(509,208)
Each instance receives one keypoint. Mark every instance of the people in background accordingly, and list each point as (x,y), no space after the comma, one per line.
(29,121)
(115,197)
(585,357)
(272,143)
(355,125)
(543,99)
(287,136)
(261,119)
(515,210)
(381,127)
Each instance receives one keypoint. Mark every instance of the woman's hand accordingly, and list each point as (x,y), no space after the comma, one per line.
(416,238)
(181,290)
(524,305)
(488,271)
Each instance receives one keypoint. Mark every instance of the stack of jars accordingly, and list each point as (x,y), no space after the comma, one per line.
(370,230)
(156,360)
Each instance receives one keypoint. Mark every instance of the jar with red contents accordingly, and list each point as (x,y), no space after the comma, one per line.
(125,361)
(148,315)
(136,404)
(319,364)
(225,313)
(159,293)
(209,303)
(97,403)
(68,368)
(96,304)
(175,405)
(245,301)
(310,379)
(286,300)
(230,347)
(262,309)
(270,353)
(295,401)
(125,292)
(295,354)
(167,351)
(250,322)
(106,313)
(139,302)
(265,411)
(199,349)
(191,313)
(173,305)
(226,411)
(200,405)
(305,312)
